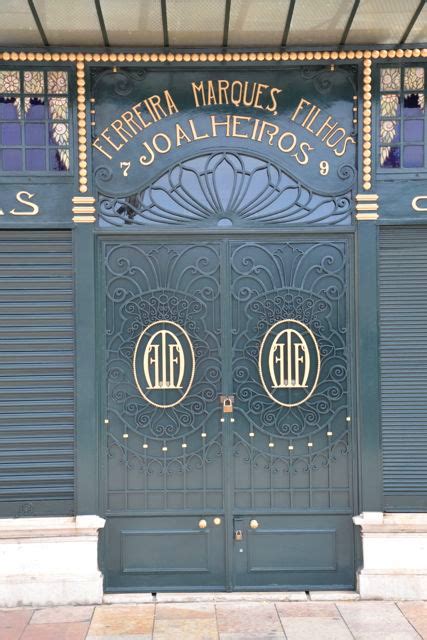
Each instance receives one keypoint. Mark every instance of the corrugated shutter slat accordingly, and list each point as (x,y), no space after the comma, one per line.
(403,353)
(36,372)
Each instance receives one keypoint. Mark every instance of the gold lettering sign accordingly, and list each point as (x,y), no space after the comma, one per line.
(163,364)
(289,362)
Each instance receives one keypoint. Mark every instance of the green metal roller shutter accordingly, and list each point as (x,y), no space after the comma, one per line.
(403,349)
(36,373)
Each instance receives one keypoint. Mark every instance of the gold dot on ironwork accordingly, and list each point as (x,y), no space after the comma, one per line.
(222,419)
(291,447)
(329,433)
(126,435)
(271,444)
(106,421)
(251,434)
(164,448)
(204,435)
(145,445)
(348,419)
(309,444)
(184,445)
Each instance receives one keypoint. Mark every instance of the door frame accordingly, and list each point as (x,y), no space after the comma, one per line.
(189,235)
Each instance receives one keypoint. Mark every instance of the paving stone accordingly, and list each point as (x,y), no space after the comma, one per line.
(13,622)
(376,620)
(62,614)
(252,636)
(307,610)
(182,610)
(200,629)
(416,614)
(248,617)
(122,637)
(111,620)
(319,628)
(65,631)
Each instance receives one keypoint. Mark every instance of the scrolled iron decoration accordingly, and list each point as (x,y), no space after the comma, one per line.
(248,190)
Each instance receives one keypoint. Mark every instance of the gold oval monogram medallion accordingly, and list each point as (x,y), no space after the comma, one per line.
(289,362)
(163,364)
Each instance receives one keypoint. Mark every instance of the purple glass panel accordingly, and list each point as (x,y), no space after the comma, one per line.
(35,159)
(35,134)
(55,161)
(413,156)
(36,110)
(8,108)
(392,159)
(412,104)
(10,134)
(11,159)
(413,130)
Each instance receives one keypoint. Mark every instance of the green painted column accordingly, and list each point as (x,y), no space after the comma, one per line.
(367,358)
(86,389)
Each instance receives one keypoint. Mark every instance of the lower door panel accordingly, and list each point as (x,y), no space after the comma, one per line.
(295,552)
(163,553)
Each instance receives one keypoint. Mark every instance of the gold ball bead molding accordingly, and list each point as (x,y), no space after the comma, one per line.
(83,188)
(366,186)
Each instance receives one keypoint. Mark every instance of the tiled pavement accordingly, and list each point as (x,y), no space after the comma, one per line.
(221,617)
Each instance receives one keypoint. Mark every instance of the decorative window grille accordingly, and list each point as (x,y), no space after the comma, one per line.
(402,117)
(34,121)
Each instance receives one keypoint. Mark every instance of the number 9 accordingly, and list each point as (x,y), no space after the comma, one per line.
(324,168)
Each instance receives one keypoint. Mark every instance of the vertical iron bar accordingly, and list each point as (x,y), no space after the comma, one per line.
(226,23)
(38,23)
(102,23)
(412,21)
(349,22)
(165,23)
(288,23)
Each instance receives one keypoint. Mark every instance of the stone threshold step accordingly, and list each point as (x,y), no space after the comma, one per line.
(239,596)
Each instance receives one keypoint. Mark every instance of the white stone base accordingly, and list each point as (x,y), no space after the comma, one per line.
(50,561)
(394,556)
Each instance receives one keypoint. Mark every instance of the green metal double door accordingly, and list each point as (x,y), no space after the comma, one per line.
(227,455)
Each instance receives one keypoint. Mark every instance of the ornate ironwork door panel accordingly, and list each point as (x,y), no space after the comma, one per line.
(291,433)
(205,490)
(163,473)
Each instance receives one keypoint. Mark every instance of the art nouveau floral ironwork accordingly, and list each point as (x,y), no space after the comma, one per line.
(247,190)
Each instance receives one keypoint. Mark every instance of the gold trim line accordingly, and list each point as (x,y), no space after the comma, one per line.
(367,216)
(89,219)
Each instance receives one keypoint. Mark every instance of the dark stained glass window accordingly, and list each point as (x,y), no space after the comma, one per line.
(402,117)
(34,121)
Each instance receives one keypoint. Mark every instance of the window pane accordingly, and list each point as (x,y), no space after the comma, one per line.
(390,79)
(59,133)
(35,109)
(413,156)
(58,108)
(10,134)
(390,157)
(35,159)
(390,104)
(70,22)
(193,23)
(257,23)
(59,160)
(141,23)
(11,159)
(318,23)
(413,104)
(413,78)
(381,21)
(10,108)
(9,82)
(390,131)
(57,82)
(35,134)
(413,130)
(34,82)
